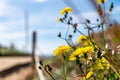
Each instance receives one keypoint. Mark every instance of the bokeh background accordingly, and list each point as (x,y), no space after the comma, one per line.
(20,18)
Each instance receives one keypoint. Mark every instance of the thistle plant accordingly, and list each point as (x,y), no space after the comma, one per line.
(95,62)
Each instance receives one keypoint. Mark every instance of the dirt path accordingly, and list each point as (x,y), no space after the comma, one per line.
(7,62)
(21,74)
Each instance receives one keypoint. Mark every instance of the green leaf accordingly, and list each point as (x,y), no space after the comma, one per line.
(113,76)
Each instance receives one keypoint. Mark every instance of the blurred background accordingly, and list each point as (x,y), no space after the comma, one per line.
(20,19)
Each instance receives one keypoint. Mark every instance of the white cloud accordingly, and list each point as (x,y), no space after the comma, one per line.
(3,6)
(91,14)
(9,10)
(13,35)
(40,18)
(12,24)
(3,28)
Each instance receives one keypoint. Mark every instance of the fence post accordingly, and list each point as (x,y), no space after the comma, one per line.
(33,47)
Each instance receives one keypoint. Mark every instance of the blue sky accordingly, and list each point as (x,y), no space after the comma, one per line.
(42,19)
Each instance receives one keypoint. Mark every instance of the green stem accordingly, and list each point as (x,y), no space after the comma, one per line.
(67,32)
(103,35)
(64,67)
(101,75)
(73,47)
(81,32)
(58,75)
(86,67)
(50,75)
(93,42)
(81,69)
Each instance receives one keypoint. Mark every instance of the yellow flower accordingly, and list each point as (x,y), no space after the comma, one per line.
(105,63)
(100,1)
(102,64)
(75,54)
(81,51)
(86,43)
(58,20)
(62,50)
(89,74)
(82,38)
(67,9)
(103,60)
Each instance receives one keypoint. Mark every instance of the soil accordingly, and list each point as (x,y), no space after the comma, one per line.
(23,73)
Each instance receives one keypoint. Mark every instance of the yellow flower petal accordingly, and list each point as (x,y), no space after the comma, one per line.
(62,50)
(100,1)
(58,20)
(82,38)
(102,64)
(81,51)
(89,74)
(67,9)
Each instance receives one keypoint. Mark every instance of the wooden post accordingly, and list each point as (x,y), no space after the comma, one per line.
(35,58)
(33,47)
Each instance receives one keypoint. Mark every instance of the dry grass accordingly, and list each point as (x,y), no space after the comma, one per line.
(112,36)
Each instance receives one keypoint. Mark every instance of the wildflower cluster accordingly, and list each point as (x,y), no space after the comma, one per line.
(91,58)
(102,64)
(82,52)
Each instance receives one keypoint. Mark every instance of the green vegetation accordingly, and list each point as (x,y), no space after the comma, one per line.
(4,51)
